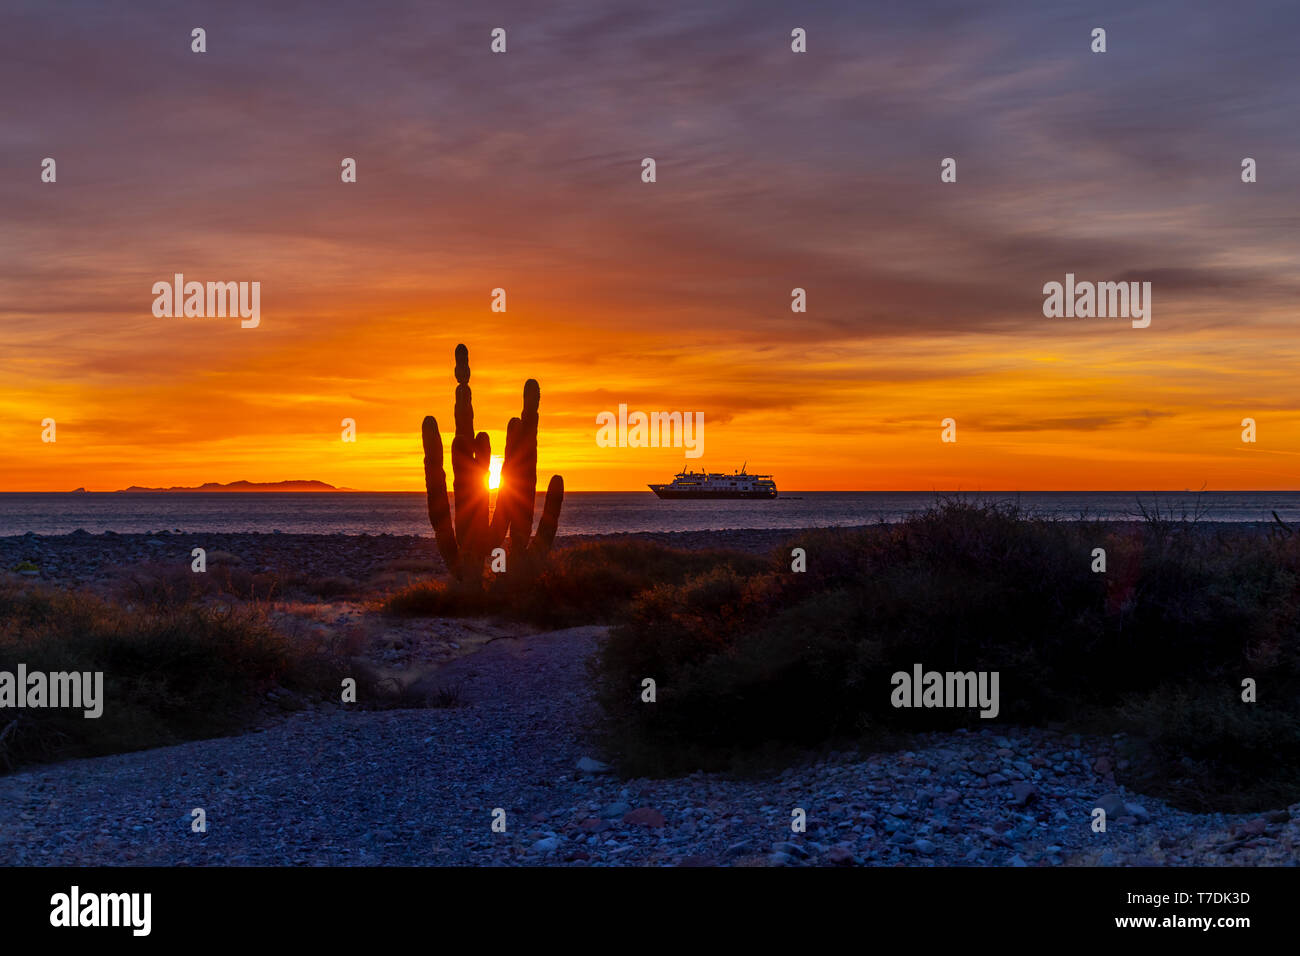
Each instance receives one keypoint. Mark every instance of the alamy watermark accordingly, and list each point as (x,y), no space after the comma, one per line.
(26,689)
(196,300)
(683,430)
(1101,300)
(76,909)
(923,688)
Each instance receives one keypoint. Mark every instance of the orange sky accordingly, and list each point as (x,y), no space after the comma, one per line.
(775,171)
(267,405)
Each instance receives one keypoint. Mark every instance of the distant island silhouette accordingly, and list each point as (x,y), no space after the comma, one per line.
(239,486)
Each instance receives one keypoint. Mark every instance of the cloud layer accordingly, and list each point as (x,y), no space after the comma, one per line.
(775,171)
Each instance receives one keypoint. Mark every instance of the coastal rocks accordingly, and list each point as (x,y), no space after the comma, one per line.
(840,855)
(792,850)
(645,817)
(1022,794)
(1113,804)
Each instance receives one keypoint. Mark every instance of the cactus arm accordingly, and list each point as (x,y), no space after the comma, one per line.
(508,491)
(550,518)
(470,457)
(525,470)
(435,484)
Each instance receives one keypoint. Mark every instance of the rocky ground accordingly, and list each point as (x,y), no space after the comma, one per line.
(329,787)
(369,561)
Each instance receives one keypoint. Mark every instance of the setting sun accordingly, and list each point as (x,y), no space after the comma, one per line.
(494,472)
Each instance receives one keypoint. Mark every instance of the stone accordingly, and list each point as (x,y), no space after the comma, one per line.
(546,845)
(588,765)
(1113,804)
(1022,794)
(645,817)
(924,846)
(840,855)
(614,810)
(790,849)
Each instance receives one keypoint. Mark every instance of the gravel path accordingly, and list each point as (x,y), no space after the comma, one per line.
(420,786)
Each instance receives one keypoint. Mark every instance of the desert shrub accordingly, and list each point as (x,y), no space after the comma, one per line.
(585,584)
(1203,749)
(746,660)
(331,586)
(160,586)
(172,672)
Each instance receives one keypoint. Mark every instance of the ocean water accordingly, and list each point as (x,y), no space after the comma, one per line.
(584,512)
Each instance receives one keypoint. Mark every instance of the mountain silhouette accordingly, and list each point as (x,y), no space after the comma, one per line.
(244,486)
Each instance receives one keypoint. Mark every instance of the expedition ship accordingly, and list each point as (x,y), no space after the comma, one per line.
(699,484)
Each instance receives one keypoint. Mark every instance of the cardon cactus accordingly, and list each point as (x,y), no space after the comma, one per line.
(465,547)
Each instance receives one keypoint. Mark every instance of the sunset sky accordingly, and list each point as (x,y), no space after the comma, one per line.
(775,170)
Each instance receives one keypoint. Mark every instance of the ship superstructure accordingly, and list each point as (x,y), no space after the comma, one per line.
(701,484)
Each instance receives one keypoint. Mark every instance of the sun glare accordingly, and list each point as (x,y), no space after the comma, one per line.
(494,472)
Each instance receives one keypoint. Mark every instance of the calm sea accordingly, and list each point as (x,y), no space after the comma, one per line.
(584,512)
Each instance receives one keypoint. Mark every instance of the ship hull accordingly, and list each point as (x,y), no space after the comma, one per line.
(679,494)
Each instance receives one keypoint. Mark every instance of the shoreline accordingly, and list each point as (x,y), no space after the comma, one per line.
(80,557)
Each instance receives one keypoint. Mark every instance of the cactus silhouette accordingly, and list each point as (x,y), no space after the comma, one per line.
(467,545)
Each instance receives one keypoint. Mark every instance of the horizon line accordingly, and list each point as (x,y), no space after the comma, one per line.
(620,491)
